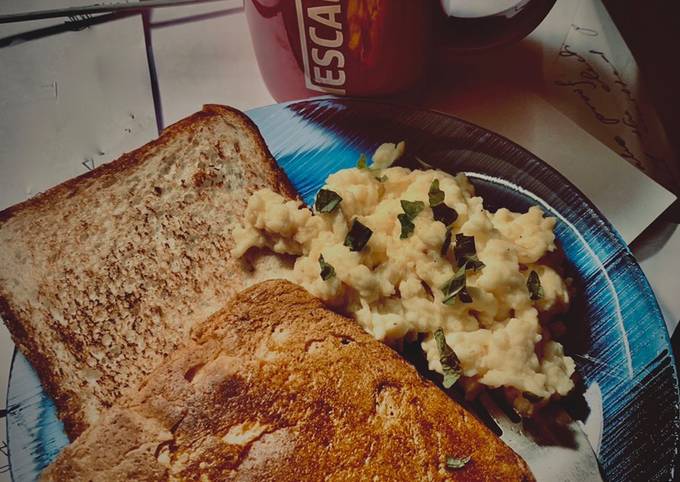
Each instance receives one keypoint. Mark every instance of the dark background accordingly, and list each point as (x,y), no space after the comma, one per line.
(651,29)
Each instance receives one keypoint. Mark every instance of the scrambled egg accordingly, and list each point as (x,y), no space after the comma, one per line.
(393,286)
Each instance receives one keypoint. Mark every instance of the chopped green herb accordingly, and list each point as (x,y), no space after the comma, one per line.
(407,225)
(456,463)
(465,247)
(361,163)
(454,286)
(435,194)
(534,285)
(444,214)
(464,296)
(327,271)
(473,263)
(440,211)
(448,359)
(447,243)
(466,253)
(358,236)
(327,201)
(412,208)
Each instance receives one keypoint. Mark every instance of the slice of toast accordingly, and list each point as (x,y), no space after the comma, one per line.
(277,387)
(102,276)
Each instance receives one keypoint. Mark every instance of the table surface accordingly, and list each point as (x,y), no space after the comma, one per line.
(86,96)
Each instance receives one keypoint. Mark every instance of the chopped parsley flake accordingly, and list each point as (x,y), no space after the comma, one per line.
(361,163)
(412,208)
(407,225)
(447,243)
(454,286)
(327,271)
(444,214)
(327,201)
(455,463)
(466,253)
(447,357)
(534,286)
(358,236)
(435,194)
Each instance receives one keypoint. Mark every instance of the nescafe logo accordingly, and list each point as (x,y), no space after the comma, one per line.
(322,40)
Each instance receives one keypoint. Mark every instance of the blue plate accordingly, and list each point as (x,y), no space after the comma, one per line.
(621,345)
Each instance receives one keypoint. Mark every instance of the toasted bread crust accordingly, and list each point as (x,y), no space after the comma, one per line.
(70,187)
(71,400)
(277,387)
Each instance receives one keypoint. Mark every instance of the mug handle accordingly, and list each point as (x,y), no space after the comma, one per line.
(466,35)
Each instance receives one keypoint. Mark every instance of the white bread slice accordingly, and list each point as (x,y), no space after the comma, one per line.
(276,387)
(102,276)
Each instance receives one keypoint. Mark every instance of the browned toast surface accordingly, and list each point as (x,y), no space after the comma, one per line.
(102,276)
(277,387)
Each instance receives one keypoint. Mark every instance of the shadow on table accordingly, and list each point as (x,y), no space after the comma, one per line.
(80,22)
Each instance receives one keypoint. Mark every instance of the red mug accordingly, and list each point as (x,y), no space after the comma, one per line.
(374,47)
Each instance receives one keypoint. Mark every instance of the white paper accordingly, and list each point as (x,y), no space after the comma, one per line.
(594,80)
(69,102)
